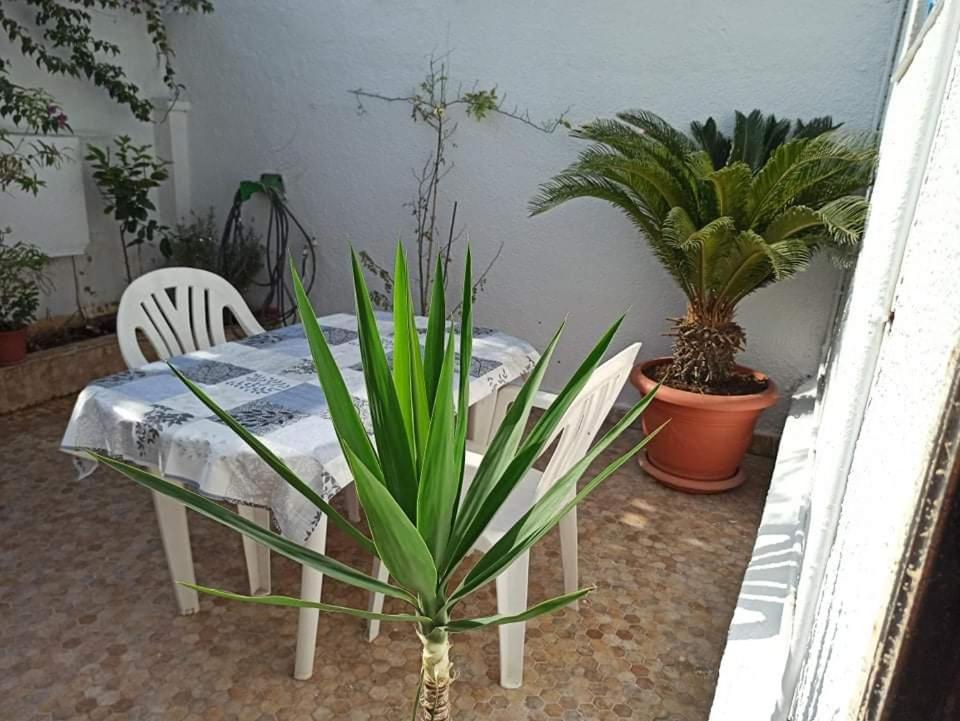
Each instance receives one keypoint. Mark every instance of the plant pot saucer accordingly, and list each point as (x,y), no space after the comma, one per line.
(690,485)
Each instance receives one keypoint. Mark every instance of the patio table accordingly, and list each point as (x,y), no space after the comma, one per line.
(268,382)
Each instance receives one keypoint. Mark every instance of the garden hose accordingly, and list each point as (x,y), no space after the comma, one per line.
(280,303)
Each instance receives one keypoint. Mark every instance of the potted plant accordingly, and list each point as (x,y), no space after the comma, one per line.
(725,217)
(21,278)
(423,520)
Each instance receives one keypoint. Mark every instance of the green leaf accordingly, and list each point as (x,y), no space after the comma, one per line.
(281,468)
(731,186)
(294,551)
(463,400)
(497,457)
(300,603)
(552,506)
(343,413)
(437,495)
(398,543)
(470,624)
(402,350)
(399,471)
(436,329)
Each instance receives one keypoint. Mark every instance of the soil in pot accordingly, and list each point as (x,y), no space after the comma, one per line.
(71,332)
(742,383)
(703,444)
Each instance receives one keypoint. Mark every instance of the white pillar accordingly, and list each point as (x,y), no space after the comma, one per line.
(172,144)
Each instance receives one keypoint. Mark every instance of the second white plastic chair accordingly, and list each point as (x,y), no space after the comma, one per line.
(576,430)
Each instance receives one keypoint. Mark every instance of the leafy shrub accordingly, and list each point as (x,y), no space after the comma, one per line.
(21,280)
(198,244)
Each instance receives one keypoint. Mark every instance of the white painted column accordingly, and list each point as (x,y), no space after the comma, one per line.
(171,141)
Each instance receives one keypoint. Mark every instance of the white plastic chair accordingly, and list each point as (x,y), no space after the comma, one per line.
(576,430)
(181,310)
(189,321)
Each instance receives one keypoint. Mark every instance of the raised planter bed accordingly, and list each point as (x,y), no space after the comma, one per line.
(57,372)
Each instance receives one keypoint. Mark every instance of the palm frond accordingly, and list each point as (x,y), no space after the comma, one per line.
(756,136)
(704,248)
(712,141)
(731,191)
(845,219)
(743,268)
(831,163)
(813,127)
(569,186)
(659,129)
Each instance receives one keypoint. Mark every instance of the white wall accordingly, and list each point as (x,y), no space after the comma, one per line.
(95,118)
(268,84)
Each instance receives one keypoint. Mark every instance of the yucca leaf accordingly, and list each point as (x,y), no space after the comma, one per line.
(294,551)
(281,468)
(470,624)
(543,429)
(300,603)
(498,456)
(463,396)
(437,494)
(343,413)
(397,463)
(399,545)
(548,511)
(402,347)
(436,331)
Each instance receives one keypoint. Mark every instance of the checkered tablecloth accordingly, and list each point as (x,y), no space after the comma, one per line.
(268,383)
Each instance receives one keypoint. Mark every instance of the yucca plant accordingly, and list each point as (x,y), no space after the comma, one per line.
(724,216)
(410,477)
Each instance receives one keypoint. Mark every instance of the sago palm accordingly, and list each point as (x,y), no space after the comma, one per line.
(410,476)
(724,217)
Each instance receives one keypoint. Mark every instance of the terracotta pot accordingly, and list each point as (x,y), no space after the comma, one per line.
(13,346)
(700,450)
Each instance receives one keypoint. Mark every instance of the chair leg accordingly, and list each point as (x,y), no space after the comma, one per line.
(311,585)
(175,535)
(256,555)
(568,552)
(381,573)
(512,599)
(353,503)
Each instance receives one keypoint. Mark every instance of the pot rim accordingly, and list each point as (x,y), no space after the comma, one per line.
(675,396)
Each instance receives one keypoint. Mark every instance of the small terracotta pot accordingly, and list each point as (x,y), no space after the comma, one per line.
(13,346)
(700,450)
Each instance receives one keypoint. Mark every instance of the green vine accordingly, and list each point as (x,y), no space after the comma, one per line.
(59,38)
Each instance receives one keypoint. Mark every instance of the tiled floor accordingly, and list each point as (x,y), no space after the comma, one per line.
(88,628)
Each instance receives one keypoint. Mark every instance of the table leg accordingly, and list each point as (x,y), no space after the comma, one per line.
(256,555)
(480,428)
(353,502)
(175,535)
(311,585)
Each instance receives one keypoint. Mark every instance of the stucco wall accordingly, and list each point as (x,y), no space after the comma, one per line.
(268,84)
(95,118)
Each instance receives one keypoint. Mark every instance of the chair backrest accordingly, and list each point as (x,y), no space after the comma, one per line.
(179,310)
(580,424)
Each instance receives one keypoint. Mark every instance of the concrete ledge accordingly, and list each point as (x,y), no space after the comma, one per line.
(57,372)
(750,684)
